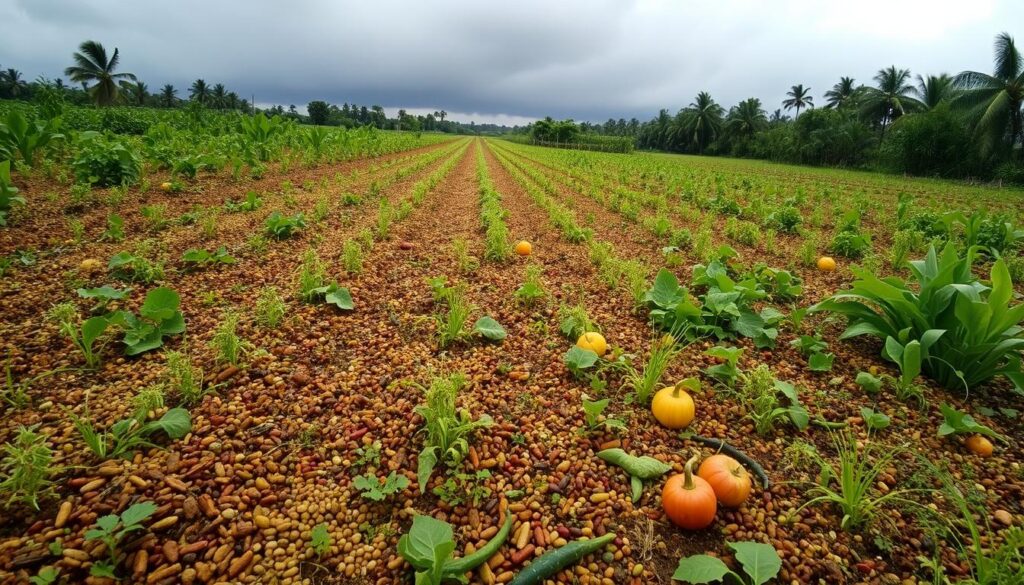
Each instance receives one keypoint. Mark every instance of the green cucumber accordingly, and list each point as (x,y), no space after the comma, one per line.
(470,562)
(557,559)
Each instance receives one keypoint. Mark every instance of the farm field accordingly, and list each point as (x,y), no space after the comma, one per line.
(271,367)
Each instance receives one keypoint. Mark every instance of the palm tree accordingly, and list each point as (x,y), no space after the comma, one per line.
(219,96)
(232,100)
(777,117)
(891,99)
(199,91)
(746,118)
(841,93)
(934,89)
(13,82)
(995,100)
(167,95)
(442,114)
(92,65)
(138,91)
(701,122)
(799,97)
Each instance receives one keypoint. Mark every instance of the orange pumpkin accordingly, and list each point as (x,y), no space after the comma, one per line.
(728,478)
(523,248)
(979,445)
(826,264)
(689,501)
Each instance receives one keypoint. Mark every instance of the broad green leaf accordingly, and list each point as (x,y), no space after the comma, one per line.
(820,362)
(92,328)
(426,538)
(760,561)
(104,292)
(700,569)
(161,303)
(339,297)
(665,292)
(427,461)
(176,422)
(489,328)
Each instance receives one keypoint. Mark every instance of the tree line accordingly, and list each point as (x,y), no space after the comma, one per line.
(967,125)
(98,81)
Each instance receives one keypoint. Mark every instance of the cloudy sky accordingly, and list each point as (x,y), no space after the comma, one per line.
(511,62)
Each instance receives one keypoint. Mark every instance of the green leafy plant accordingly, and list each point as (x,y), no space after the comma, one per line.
(229,346)
(850,486)
(312,275)
(956,422)
(320,540)
(185,378)
(728,371)
(204,257)
(759,562)
(372,488)
(281,227)
(46,576)
(104,161)
(429,545)
(27,465)
(332,294)
(269,307)
(967,333)
(643,383)
(251,203)
(103,295)
(158,317)
(580,360)
(574,321)
(761,396)
(532,289)
(447,431)
(465,261)
(135,268)
(352,257)
(868,382)
(875,421)
(593,411)
(115,229)
(111,530)
(9,197)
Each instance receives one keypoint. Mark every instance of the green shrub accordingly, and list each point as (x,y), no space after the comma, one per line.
(105,160)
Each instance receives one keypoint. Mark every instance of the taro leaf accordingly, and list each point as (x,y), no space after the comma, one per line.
(339,297)
(760,561)
(643,467)
(426,539)
(176,422)
(700,569)
(489,328)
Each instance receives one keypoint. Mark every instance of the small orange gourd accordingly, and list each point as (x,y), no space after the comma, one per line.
(826,264)
(166,186)
(727,478)
(593,341)
(688,500)
(524,248)
(673,406)
(980,446)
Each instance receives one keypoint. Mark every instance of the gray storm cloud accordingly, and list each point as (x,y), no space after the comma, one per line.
(589,60)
